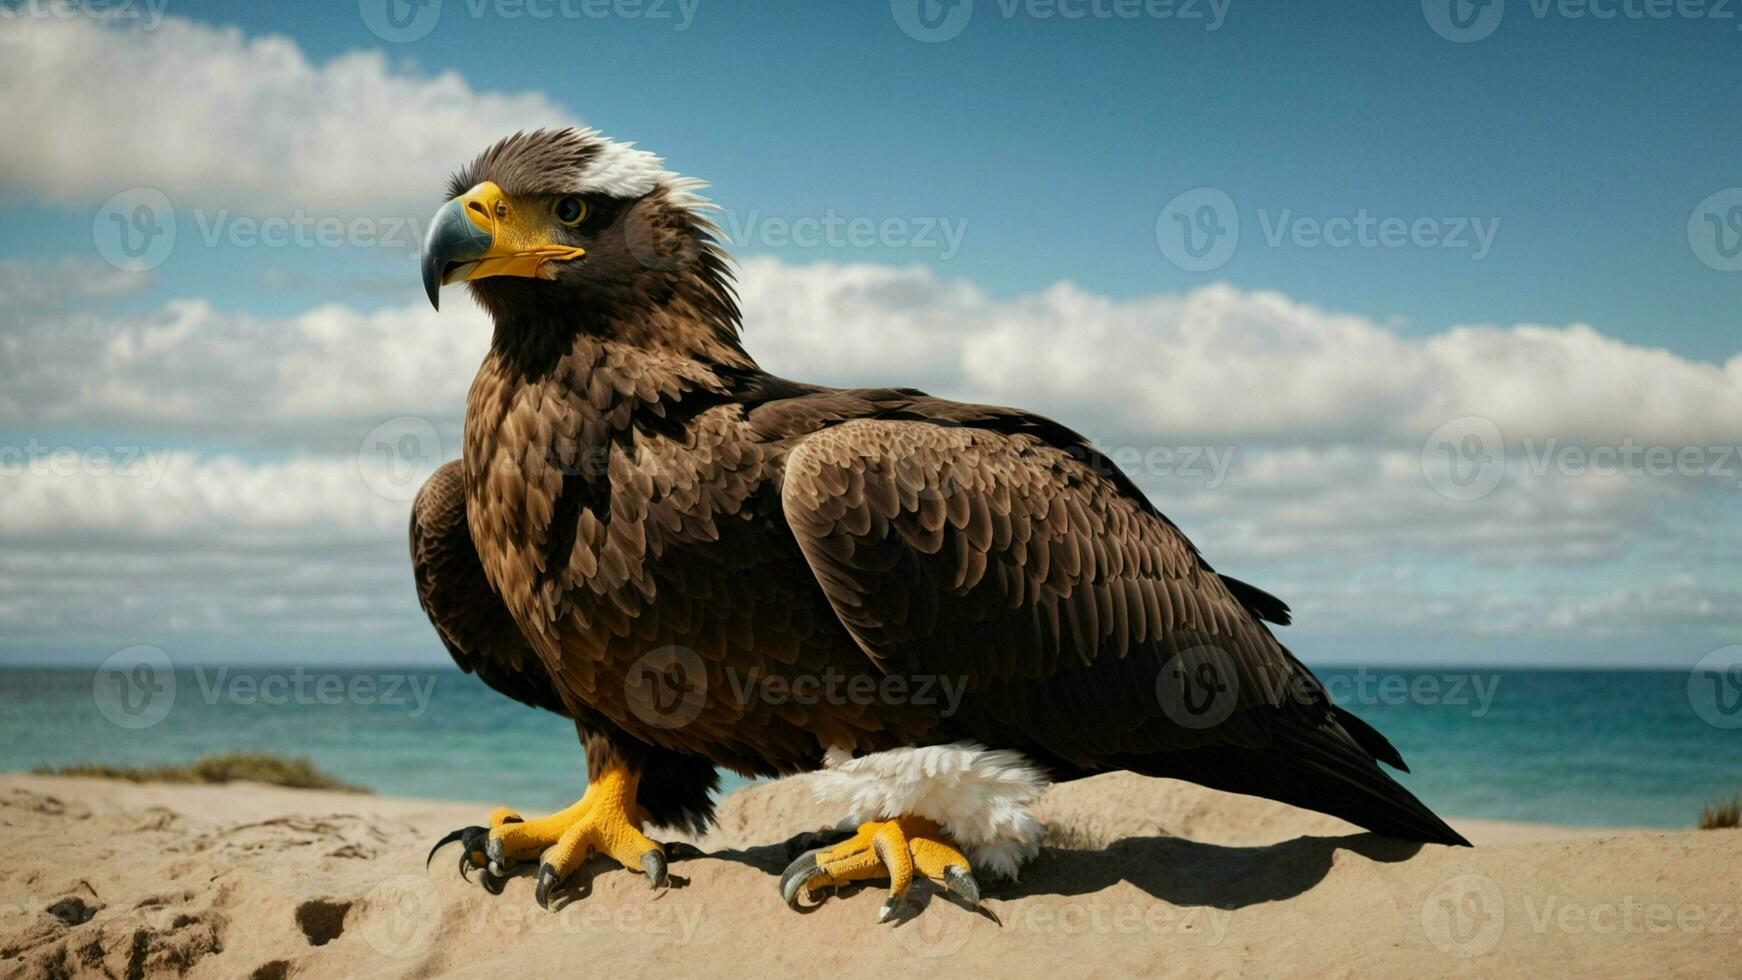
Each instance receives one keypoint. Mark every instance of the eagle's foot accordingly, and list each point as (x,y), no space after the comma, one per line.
(605,821)
(894,848)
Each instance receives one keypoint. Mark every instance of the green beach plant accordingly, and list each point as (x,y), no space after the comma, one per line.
(257,767)
(1722,815)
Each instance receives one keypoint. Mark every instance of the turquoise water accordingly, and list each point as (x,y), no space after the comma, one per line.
(1575,747)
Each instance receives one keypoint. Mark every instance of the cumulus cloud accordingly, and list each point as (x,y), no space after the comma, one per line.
(190,368)
(1213,366)
(246,123)
(1292,437)
(37,285)
(1224,364)
(225,553)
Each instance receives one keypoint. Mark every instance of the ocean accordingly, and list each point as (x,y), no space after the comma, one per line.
(1599,748)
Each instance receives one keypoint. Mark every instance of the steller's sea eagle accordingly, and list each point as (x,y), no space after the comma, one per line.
(939,605)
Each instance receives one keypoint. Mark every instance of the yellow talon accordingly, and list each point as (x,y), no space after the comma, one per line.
(606,820)
(893,848)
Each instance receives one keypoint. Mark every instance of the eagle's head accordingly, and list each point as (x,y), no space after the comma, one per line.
(560,230)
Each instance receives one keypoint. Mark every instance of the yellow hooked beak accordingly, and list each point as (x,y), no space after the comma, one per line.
(482,233)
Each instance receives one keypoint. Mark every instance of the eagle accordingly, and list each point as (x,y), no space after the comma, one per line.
(938,607)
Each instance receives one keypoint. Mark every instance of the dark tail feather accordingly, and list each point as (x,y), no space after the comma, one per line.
(1368,737)
(1320,768)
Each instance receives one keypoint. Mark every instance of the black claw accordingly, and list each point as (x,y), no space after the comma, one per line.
(467,836)
(546,881)
(653,865)
(799,874)
(443,843)
(961,882)
(492,883)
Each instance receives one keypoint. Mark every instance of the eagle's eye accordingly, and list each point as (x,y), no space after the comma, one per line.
(571,211)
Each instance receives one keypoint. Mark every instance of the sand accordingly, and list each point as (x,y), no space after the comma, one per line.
(1145,877)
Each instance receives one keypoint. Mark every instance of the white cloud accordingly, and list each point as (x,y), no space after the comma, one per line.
(1220,364)
(1322,416)
(218,552)
(1214,366)
(250,124)
(67,281)
(189,367)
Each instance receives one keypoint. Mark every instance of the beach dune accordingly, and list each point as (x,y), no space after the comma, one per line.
(1141,877)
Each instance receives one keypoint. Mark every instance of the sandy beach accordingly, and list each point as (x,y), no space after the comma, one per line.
(1143,877)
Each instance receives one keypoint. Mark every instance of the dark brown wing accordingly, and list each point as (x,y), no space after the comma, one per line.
(676,790)
(997,548)
(468,616)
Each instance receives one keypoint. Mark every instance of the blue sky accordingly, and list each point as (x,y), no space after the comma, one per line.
(1056,148)
(1057,140)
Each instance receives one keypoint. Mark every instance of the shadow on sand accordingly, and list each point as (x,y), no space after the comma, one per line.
(1172,869)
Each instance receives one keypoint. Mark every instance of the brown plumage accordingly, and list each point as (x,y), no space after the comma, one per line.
(635,492)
